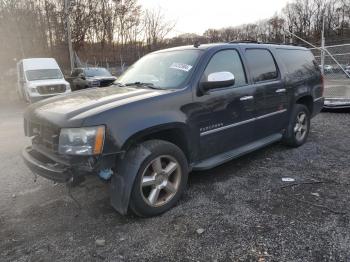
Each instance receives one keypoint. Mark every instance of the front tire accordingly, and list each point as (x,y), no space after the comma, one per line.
(299,126)
(161,179)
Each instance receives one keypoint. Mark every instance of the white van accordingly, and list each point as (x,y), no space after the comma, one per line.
(40,78)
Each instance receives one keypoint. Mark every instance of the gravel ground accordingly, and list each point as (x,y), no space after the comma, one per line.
(240,211)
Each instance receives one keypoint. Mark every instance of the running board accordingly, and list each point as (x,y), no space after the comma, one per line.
(227,156)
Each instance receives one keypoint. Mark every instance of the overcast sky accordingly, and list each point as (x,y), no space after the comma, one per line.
(195,16)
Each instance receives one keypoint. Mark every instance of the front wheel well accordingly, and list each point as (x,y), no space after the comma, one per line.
(307,101)
(176,136)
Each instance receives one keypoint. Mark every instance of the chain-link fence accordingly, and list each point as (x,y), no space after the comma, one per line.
(336,60)
(114,66)
(336,68)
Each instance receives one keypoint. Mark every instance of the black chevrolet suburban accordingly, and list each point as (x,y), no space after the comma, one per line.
(173,111)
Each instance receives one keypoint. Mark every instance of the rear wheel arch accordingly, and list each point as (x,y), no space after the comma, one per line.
(306,100)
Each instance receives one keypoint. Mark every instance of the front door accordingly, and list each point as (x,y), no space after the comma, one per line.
(225,120)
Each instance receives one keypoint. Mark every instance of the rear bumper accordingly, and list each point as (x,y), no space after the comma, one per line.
(45,167)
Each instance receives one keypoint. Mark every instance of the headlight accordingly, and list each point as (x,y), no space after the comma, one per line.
(81,141)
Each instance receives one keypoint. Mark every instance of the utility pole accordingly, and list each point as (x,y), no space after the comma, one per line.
(322,44)
(67,5)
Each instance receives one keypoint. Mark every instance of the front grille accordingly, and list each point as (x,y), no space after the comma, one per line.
(95,83)
(104,83)
(51,89)
(44,136)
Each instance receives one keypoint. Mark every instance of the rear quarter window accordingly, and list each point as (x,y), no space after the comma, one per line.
(299,63)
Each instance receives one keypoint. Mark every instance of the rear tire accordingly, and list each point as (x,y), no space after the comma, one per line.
(161,179)
(299,126)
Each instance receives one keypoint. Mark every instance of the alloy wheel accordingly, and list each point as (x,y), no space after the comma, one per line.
(301,125)
(160,180)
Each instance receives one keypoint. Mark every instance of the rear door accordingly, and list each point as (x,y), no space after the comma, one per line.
(271,95)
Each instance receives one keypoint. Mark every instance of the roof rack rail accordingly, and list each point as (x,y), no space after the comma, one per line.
(244,41)
(276,43)
(258,42)
(273,43)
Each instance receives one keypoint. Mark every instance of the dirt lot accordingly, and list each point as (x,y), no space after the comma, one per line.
(242,207)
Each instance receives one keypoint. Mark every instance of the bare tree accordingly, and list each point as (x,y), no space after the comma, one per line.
(119,32)
(156,27)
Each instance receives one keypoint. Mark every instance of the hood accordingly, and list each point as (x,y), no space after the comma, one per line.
(48,82)
(72,109)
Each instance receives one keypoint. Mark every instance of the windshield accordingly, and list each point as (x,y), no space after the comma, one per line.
(91,72)
(43,74)
(166,70)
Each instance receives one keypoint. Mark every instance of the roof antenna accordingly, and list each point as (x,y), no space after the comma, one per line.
(196,44)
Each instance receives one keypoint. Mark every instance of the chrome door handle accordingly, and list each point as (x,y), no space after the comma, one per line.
(281,90)
(245,98)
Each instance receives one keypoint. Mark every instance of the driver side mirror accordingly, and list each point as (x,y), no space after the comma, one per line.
(217,80)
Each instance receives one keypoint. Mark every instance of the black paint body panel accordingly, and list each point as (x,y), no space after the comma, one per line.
(212,123)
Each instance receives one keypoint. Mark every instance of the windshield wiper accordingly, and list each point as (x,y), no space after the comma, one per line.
(142,84)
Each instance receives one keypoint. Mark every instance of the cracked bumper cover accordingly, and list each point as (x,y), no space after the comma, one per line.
(45,167)
(72,171)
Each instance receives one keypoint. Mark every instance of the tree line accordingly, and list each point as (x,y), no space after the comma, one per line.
(103,31)
(117,32)
(304,18)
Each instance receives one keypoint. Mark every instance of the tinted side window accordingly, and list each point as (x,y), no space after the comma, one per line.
(299,63)
(261,65)
(227,61)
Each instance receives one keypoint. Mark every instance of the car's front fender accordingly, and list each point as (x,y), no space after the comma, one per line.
(123,179)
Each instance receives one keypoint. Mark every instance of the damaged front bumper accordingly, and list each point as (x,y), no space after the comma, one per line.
(72,170)
(43,166)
